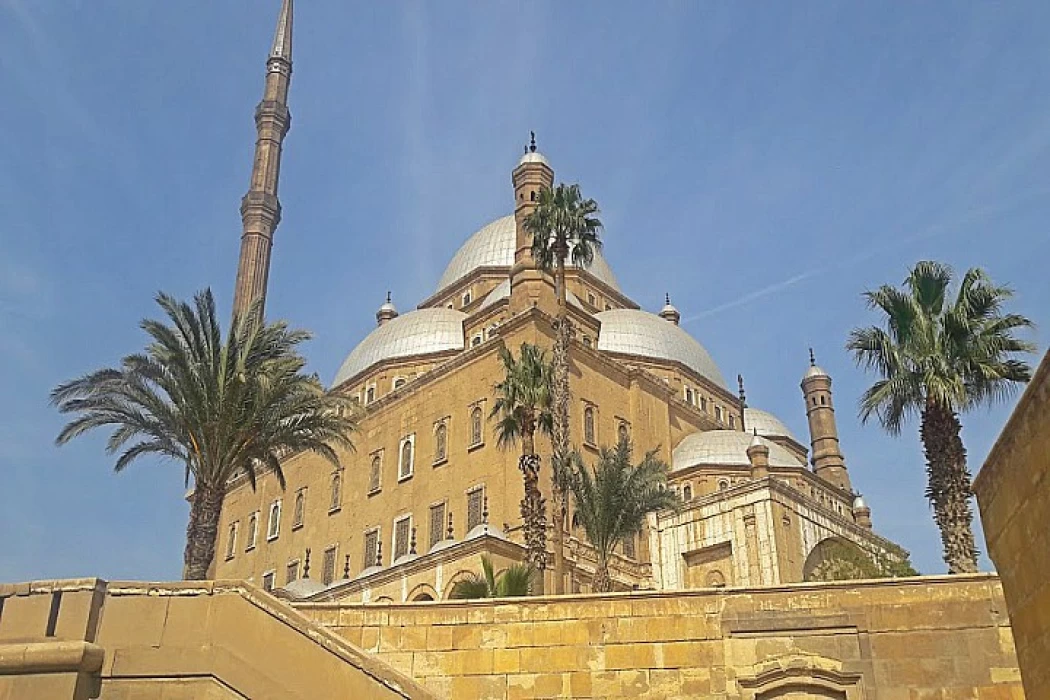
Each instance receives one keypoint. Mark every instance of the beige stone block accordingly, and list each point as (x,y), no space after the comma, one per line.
(580,685)
(466,636)
(426,664)
(439,638)
(480,687)
(629,656)
(634,683)
(606,684)
(520,635)
(134,620)
(550,685)
(370,639)
(25,617)
(389,639)
(1005,675)
(548,659)
(560,632)
(467,662)
(506,661)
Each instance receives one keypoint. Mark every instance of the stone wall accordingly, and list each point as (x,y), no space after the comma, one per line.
(71,640)
(924,637)
(1013,490)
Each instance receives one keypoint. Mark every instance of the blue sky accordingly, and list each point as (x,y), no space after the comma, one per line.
(764,163)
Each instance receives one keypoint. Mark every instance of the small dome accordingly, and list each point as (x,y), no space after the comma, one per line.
(419,332)
(725,448)
(859,503)
(757,441)
(486,529)
(404,559)
(365,573)
(533,157)
(443,544)
(814,371)
(669,312)
(493,246)
(634,332)
(387,311)
(766,424)
(303,588)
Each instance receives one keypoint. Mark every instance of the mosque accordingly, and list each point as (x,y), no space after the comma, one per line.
(427,490)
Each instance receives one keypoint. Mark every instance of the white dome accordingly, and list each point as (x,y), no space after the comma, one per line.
(725,448)
(533,157)
(485,529)
(635,332)
(493,246)
(418,332)
(859,504)
(304,588)
(814,371)
(766,424)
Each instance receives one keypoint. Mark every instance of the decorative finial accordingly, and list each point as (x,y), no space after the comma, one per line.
(812,359)
(485,510)
(306,564)
(667,298)
(412,544)
(449,525)
(388,297)
(740,383)
(379,552)
(532,141)
(346,567)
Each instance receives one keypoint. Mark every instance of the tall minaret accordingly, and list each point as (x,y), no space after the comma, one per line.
(529,178)
(823,432)
(260,208)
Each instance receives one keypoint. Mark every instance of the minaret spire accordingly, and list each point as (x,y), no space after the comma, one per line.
(260,208)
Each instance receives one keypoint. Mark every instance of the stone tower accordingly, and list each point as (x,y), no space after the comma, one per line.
(532,175)
(260,208)
(823,433)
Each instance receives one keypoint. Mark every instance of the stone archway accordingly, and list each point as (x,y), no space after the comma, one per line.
(838,559)
(800,677)
(423,591)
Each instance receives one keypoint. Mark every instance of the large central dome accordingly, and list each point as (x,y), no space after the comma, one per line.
(493,246)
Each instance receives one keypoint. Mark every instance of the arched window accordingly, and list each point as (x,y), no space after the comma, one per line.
(475,426)
(253,531)
(405,464)
(732,421)
(466,298)
(475,341)
(440,443)
(822,397)
(337,492)
(399,382)
(300,508)
(370,395)
(231,544)
(273,528)
(374,483)
(588,425)
(688,395)
(575,521)
(703,404)
(687,493)
(623,433)
(715,579)
(718,413)
(723,484)
(587,341)
(591,300)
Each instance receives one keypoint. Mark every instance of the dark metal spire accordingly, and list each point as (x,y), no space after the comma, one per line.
(743,401)
(812,359)
(532,141)
(282,38)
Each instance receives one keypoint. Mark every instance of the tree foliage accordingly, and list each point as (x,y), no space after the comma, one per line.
(217,407)
(514,581)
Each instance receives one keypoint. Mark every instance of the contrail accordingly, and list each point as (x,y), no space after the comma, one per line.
(931,231)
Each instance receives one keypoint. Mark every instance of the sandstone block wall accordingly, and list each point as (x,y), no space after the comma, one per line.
(71,640)
(1013,491)
(905,639)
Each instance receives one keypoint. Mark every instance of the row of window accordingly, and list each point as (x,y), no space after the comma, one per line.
(694,398)
(403,540)
(590,430)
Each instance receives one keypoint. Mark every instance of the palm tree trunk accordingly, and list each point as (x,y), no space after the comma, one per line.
(560,434)
(202,532)
(533,517)
(602,582)
(948,486)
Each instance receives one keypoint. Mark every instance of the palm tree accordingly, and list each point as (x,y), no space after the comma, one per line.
(217,407)
(523,406)
(937,357)
(613,500)
(562,225)
(509,583)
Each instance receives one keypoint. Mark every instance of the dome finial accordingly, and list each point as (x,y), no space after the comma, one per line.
(388,296)
(812,359)
(740,384)
(667,298)
(532,142)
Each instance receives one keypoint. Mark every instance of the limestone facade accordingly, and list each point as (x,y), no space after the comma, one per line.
(1013,491)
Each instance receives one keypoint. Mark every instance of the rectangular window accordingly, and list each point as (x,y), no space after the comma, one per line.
(231,544)
(292,573)
(628,547)
(402,533)
(335,494)
(253,531)
(267,581)
(718,413)
(273,528)
(328,570)
(437,524)
(703,404)
(371,548)
(475,506)
(732,421)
